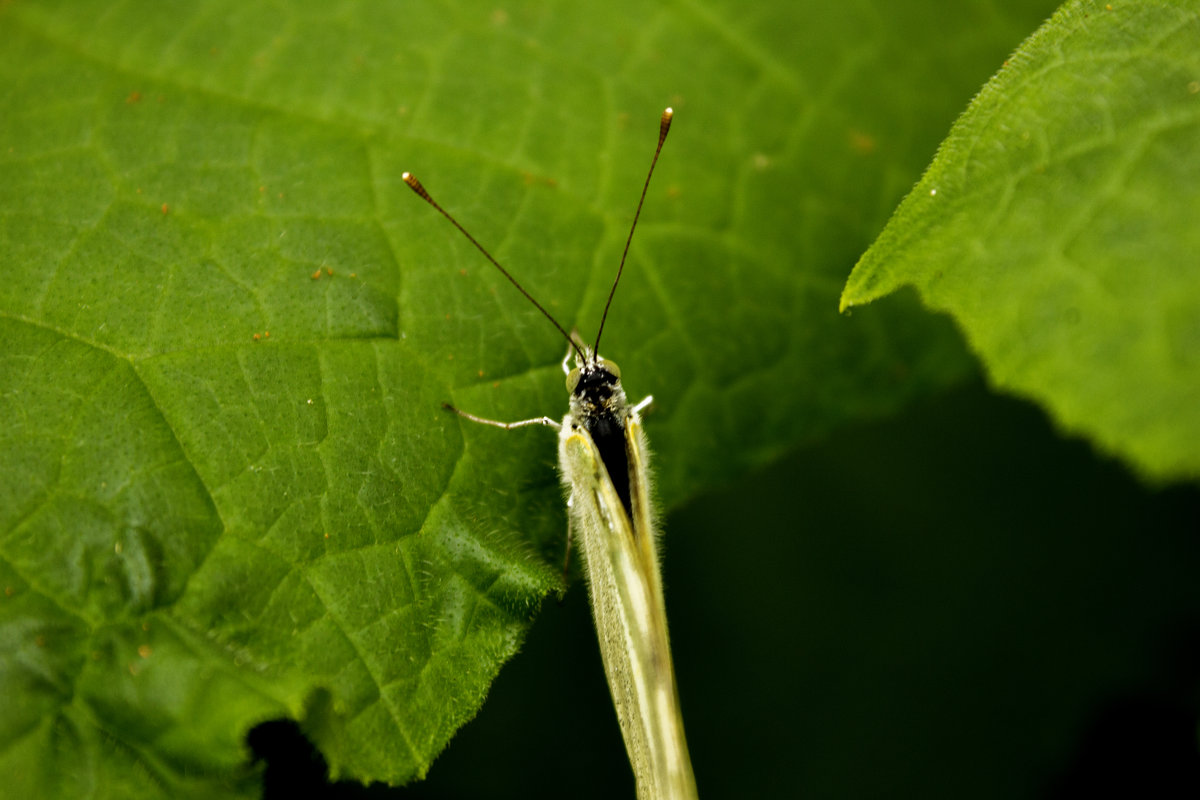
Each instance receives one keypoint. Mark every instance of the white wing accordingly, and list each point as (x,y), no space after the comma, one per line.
(627,602)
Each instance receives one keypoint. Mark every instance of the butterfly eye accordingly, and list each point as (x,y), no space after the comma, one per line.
(573,380)
(613,369)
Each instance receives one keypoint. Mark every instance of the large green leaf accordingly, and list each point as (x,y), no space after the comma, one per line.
(1058,225)
(227,489)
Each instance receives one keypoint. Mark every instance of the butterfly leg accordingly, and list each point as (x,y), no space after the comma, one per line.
(508,426)
(574,346)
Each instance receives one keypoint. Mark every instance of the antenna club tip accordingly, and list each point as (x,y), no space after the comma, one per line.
(664,124)
(416,186)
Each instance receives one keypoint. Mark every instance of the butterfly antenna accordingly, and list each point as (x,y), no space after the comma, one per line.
(416,186)
(664,125)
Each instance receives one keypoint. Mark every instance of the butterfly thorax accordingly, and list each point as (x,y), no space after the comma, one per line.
(598,405)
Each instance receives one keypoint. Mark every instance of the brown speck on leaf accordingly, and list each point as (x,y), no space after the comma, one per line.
(266,334)
(328,271)
(262,188)
(462,271)
(134,97)
(495,384)
(862,143)
(530,179)
(480,373)
(8,591)
(165,208)
(327,536)
(144,650)
(257,337)
(316,276)
(353,274)
(447,317)
(40,640)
